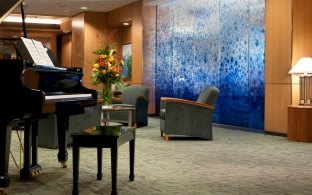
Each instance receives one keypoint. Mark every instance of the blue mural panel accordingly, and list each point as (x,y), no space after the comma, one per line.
(164,68)
(256,64)
(234,25)
(214,42)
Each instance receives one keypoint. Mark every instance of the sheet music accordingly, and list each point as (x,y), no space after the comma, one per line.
(42,51)
(38,52)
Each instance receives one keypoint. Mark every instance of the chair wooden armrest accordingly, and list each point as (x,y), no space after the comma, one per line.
(168,98)
(183,101)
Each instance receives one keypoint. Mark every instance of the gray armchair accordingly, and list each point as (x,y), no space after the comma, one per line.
(137,96)
(189,118)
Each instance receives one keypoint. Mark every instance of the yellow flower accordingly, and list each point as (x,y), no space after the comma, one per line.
(104,72)
(96,65)
(122,62)
(103,56)
(111,58)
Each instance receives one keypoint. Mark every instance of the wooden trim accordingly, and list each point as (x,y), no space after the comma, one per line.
(183,101)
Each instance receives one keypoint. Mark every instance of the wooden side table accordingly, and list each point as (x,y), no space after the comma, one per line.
(104,137)
(299,123)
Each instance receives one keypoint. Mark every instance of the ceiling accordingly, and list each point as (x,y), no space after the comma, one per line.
(63,9)
(68,8)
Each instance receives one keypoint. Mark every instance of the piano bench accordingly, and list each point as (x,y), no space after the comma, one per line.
(99,137)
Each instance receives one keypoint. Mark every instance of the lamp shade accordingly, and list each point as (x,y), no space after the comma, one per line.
(303,66)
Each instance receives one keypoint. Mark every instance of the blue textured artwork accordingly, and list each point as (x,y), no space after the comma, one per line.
(214,42)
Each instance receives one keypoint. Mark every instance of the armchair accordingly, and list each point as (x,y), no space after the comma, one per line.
(137,96)
(189,118)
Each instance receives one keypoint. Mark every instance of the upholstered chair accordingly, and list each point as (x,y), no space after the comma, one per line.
(189,118)
(138,96)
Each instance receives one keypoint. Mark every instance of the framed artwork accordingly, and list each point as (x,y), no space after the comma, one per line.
(127,58)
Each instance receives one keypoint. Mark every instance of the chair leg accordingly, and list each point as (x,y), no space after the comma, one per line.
(161,133)
(166,137)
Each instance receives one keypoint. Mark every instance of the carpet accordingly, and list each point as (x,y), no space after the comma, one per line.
(235,162)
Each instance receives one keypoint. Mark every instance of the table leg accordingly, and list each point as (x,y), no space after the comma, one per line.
(131,151)
(130,118)
(75,169)
(114,161)
(102,117)
(99,158)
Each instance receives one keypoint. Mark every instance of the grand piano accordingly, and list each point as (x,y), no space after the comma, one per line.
(31,92)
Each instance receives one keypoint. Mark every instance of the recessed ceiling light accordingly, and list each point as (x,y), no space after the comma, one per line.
(83,8)
(126,23)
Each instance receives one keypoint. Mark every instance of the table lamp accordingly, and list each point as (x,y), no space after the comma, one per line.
(303,68)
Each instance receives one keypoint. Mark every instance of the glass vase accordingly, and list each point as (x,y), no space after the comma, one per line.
(107,93)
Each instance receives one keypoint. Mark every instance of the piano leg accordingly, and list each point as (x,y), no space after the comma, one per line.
(62,129)
(30,137)
(5,142)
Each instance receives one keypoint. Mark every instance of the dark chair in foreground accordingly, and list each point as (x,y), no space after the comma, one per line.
(138,96)
(189,118)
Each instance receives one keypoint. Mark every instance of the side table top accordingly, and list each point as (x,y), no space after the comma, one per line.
(300,106)
(117,107)
(114,130)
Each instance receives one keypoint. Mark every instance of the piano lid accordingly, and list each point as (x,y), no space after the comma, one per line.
(8,6)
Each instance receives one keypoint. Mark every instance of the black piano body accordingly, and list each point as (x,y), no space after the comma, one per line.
(17,102)
(34,92)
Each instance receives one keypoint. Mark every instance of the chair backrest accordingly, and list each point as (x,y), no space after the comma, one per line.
(130,94)
(209,95)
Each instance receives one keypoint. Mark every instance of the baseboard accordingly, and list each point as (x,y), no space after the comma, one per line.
(275,133)
(237,128)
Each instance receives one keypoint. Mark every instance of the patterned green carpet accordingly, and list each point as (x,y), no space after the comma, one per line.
(235,162)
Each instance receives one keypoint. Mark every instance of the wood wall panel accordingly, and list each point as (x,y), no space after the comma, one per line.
(277,100)
(120,15)
(66,50)
(278,62)
(302,38)
(278,41)
(93,36)
(126,35)
(137,42)
(77,40)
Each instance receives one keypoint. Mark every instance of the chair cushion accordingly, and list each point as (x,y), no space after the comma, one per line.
(162,113)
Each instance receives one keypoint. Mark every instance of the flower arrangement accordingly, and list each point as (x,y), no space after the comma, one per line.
(106,69)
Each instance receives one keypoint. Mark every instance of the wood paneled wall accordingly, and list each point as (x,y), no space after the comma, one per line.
(288,38)
(94,27)
(302,39)
(87,25)
(77,40)
(278,51)
(132,13)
